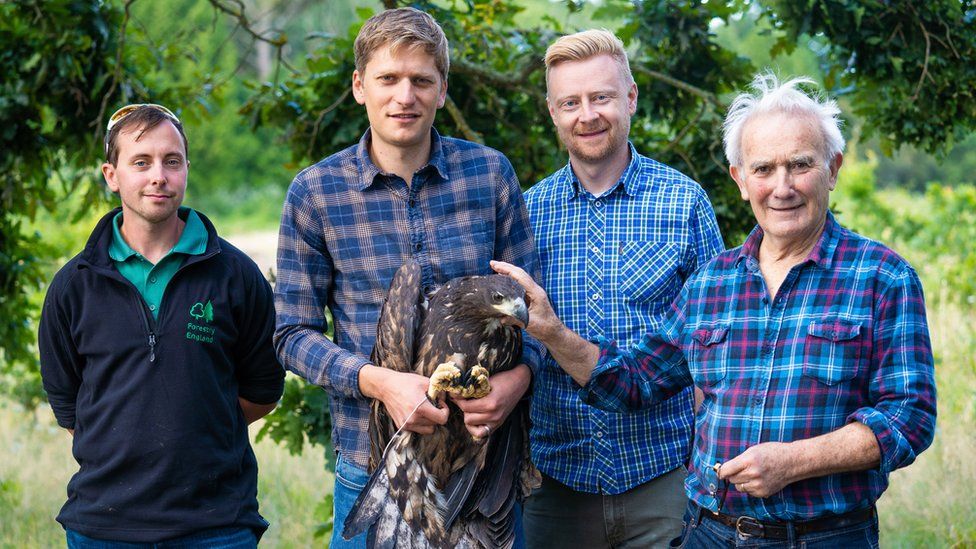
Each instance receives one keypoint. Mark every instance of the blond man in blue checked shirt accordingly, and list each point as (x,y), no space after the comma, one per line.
(617,233)
(352,219)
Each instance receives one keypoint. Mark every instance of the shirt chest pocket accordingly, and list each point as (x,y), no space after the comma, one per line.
(648,270)
(832,350)
(464,249)
(709,357)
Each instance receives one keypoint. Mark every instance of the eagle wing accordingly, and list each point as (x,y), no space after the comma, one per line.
(396,334)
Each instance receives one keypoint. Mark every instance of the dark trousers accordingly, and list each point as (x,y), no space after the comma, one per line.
(648,515)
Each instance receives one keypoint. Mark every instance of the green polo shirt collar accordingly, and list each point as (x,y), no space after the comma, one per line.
(151,280)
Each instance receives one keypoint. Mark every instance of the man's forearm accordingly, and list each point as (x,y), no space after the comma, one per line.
(850,448)
(576,356)
(766,468)
(253,411)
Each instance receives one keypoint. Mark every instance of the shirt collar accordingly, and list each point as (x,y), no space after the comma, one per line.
(630,181)
(193,239)
(822,253)
(368,171)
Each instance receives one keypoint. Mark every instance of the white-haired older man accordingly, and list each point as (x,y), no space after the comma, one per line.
(809,342)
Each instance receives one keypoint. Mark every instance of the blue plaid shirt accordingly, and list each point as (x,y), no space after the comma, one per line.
(611,265)
(845,339)
(345,230)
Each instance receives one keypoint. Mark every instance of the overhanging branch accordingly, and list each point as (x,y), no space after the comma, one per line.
(462,124)
(680,84)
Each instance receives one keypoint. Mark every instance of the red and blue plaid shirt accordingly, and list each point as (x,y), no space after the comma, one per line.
(345,230)
(845,339)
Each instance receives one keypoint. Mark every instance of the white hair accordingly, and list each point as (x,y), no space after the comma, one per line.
(767,96)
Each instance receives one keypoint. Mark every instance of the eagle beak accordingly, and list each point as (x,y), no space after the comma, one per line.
(517,314)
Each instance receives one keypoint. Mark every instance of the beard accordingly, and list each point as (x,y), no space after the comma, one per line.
(595,152)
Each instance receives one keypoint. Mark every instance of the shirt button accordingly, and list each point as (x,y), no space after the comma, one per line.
(595,250)
(599,434)
(418,246)
(599,204)
(152,307)
(152,280)
(411,203)
(596,297)
(757,400)
(712,487)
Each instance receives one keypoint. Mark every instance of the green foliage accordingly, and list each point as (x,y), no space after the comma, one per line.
(907,65)
(57,58)
(301,417)
(497,90)
(911,169)
(917,226)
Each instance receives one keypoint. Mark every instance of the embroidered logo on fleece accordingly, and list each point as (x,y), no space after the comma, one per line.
(197,331)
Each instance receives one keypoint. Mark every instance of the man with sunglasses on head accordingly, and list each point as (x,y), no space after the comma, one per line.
(156,354)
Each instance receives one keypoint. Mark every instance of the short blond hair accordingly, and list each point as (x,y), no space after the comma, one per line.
(398,29)
(586,44)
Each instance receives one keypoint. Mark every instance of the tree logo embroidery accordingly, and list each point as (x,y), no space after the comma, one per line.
(203,315)
(199,310)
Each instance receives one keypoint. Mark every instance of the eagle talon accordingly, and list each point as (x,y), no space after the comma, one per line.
(444,380)
(480,386)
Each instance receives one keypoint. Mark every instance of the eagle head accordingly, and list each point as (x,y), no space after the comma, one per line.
(494,298)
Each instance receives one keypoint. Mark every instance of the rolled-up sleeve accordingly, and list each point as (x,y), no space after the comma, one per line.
(304,280)
(652,371)
(902,408)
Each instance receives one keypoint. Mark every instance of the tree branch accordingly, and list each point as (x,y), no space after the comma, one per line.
(681,85)
(237,12)
(925,64)
(116,76)
(325,111)
(236,9)
(684,131)
(462,124)
(516,80)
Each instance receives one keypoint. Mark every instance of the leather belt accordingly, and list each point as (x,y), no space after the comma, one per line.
(755,528)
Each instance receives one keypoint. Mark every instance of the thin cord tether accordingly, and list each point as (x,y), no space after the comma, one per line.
(415,408)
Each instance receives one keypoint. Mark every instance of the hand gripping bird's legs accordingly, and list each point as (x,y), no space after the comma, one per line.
(447,379)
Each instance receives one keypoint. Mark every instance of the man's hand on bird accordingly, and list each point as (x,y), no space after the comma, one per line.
(544,325)
(400,393)
(507,388)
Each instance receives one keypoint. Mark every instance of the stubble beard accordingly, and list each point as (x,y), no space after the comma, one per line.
(602,152)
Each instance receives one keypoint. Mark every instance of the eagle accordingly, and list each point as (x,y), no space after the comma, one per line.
(447,489)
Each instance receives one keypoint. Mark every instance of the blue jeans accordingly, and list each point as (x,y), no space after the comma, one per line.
(217,538)
(349,482)
(703,532)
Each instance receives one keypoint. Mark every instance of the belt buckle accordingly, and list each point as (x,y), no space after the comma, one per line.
(748,521)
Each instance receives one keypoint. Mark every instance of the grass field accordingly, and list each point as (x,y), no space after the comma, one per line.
(36,463)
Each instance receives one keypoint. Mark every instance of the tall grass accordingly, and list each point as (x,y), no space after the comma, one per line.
(36,463)
(931,502)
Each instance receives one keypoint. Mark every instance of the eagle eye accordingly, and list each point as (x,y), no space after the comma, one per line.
(497,297)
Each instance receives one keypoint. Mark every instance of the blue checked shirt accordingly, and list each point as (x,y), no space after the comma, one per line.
(845,339)
(345,230)
(611,265)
